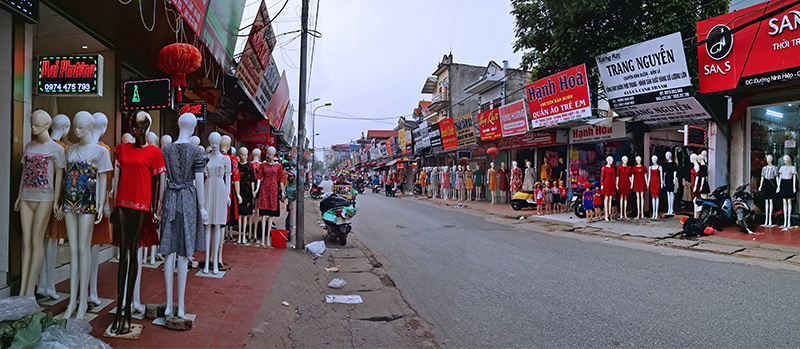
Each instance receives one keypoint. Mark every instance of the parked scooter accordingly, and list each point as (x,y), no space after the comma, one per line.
(522,200)
(417,190)
(743,206)
(576,203)
(376,188)
(359,186)
(316,191)
(717,209)
(336,214)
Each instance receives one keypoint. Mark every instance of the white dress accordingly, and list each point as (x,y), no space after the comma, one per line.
(216,193)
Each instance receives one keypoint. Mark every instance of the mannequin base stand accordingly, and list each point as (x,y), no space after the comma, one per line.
(155,312)
(136,331)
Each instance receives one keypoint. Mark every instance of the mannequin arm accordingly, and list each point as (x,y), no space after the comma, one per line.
(661,175)
(760,186)
(102,183)
(228,185)
(258,186)
(201,198)
(162,184)
(647,178)
(236,189)
(794,183)
(115,183)
(57,195)
(631,178)
(694,186)
(19,196)
(675,180)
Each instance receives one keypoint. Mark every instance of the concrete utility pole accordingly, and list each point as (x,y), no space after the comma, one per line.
(301,131)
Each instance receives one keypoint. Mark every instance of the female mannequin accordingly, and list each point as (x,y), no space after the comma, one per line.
(655,180)
(248,179)
(502,182)
(43,170)
(492,187)
(255,162)
(166,140)
(83,201)
(478,177)
(236,199)
(701,184)
(127,138)
(639,185)
(56,227)
(529,179)
(608,186)
(670,169)
(270,180)
(149,241)
(460,183)
(693,174)
(516,178)
(787,189)
(445,183)
(434,182)
(545,170)
(624,181)
(769,187)
(453,179)
(469,183)
(136,164)
(183,209)
(217,199)
(423,179)
(102,230)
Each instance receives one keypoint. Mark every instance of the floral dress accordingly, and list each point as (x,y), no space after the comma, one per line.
(268,193)
(516,179)
(247,177)
(216,194)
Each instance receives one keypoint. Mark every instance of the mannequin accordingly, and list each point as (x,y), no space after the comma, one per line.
(434,174)
(150,237)
(701,184)
(608,184)
(152,138)
(136,164)
(127,138)
(769,187)
(247,178)
(236,199)
(693,173)
(639,185)
(787,189)
(545,170)
(516,178)
(182,209)
(194,140)
(102,230)
(655,180)
(670,169)
(469,182)
(445,183)
(217,198)
(43,170)
(460,183)
(255,162)
(529,179)
(83,201)
(56,227)
(165,141)
(478,178)
(422,180)
(492,187)
(502,182)
(270,180)
(624,185)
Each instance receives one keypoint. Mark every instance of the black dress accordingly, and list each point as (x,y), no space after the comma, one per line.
(669,169)
(246,177)
(703,173)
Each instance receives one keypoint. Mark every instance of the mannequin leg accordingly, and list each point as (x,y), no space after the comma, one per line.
(478,193)
(47,274)
(169,265)
(208,247)
(153,251)
(607,208)
(137,302)
(33,249)
(640,205)
(84,242)
(222,243)
(787,214)
(655,208)
(93,298)
(217,247)
(130,227)
(768,212)
(72,233)
(623,207)
(268,237)
(183,270)
(242,229)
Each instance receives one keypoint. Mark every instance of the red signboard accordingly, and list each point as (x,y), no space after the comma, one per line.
(559,98)
(536,139)
(448,132)
(513,120)
(192,11)
(761,53)
(389,147)
(252,131)
(489,122)
(280,101)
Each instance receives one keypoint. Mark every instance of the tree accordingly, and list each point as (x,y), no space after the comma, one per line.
(557,34)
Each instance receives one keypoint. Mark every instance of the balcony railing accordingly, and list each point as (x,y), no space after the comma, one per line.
(440,97)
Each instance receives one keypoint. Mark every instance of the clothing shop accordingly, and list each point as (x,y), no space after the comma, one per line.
(591,144)
(680,142)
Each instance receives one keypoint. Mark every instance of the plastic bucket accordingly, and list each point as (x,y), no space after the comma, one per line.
(279,238)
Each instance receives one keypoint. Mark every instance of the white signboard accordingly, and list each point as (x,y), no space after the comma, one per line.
(591,133)
(679,111)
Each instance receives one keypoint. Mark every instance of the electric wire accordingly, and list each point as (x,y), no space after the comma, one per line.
(141,15)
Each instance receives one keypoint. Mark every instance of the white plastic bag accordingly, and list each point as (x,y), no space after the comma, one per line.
(354,299)
(337,283)
(17,307)
(316,247)
(74,335)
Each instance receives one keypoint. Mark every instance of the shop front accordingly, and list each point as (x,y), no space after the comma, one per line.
(591,144)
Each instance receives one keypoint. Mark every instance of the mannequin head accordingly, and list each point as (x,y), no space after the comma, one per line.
(668,156)
(84,127)
(127,138)
(243,154)
(40,123)
(693,158)
(638,160)
(503,165)
(139,126)
(704,154)
(527,164)
(624,160)
(256,154)
(513,164)
(271,152)
(654,160)
(225,144)
(460,168)
(60,126)
(166,140)
(100,125)
(194,140)
(609,160)
(769,159)
(152,138)
(787,160)
(701,159)
(213,140)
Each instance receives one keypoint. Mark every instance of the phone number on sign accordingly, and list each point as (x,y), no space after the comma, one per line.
(67,87)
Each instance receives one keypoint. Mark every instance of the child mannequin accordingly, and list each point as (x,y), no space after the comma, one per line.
(655,180)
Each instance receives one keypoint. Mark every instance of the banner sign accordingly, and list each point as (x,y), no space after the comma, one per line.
(535,139)
(280,101)
(220,29)
(389,152)
(513,120)
(762,53)
(635,74)
(71,75)
(674,112)
(193,12)
(489,123)
(252,130)
(593,133)
(401,139)
(448,132)
(196,108)
(465,129)
(146,94)
(434,135)
(257,52)
(559,98)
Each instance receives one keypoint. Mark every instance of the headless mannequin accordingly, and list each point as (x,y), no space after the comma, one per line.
(771,172)
(654,199)
(254,217)
(607,200)
(129,232)
(696,169)
(266,221)
(36,214)
(639,195)
(242,238)
(787,203)
(187,123)
(81,225)
(623,199)
(100,126)
(47,272)
(213,251)
(671,193)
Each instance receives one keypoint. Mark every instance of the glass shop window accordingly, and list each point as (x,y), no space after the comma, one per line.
(774,131)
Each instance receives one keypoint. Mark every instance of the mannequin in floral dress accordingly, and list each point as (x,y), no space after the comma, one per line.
(516,178)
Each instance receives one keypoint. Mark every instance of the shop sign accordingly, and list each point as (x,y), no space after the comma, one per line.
(220,29)
(675,112)
(694,136)
(638,73)
(534,139)
(71,75)
(389,152)
(513,120)
(27,8)
(435,136)
(146,94)
(252,130)
(196,108)
(403,141)
(280,101)
(594,133)
(267,87)
(400,165)
(288,124)
(413,164)
(192,11)
(256,55)
(448,132)
(559,98)
(761,53)
(489,123)
(464,155)
(465,129)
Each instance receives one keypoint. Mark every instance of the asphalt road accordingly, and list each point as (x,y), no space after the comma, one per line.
(486,284)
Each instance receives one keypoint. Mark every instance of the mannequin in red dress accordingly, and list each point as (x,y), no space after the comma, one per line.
(608,186)
(624,180)
(693,173)
(639,186)
(655,180)
(502,182)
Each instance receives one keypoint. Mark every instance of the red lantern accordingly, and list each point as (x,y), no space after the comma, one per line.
(374,163)
(493,151)
(383,164)
(178,60)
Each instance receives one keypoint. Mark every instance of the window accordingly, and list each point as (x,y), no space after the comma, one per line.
(497,102)
(774,130)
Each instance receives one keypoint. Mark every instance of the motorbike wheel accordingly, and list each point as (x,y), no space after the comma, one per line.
(579,211)
(704,215)
(516,206)
(342,239)
(306,186)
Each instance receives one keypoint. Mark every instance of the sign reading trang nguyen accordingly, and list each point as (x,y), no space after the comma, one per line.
(71,75)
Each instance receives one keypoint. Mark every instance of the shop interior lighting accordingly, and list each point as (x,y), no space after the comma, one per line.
(774,113)
(84,47)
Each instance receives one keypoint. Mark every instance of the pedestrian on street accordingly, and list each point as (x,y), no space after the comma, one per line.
(291,196)
(588,201)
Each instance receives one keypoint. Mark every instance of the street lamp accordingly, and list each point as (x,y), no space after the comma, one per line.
(314,133)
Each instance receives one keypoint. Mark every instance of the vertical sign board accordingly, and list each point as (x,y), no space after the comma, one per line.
(513,120)
(146,94)
(280,101)
(193,12)
(448,132)
(559,98)
(256,55)
(220,29)
(71,75)
(694,136)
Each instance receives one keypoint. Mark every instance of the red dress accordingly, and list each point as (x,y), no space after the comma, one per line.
(502,180)
(655,182)
(624,176)
(639,183)
(233,208)
(608,180)
(695,193)
(268,193)
(137,167)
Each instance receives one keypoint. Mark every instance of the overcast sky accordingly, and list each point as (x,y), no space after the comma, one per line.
(374,56)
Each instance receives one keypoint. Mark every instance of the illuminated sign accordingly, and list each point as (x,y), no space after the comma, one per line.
(694,136)
(146,94)
(27,8)
(196,108)
(71,75)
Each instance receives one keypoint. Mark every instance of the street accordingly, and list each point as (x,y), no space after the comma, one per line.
(493,283)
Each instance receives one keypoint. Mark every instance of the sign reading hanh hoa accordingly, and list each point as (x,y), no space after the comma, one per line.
(559,98)
(489,122)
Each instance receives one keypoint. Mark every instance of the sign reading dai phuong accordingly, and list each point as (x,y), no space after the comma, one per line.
(71,75)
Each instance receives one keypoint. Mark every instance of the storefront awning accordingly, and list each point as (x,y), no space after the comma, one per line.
(392,162)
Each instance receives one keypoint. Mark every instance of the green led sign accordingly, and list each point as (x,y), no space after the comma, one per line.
(146,94)
(71,75)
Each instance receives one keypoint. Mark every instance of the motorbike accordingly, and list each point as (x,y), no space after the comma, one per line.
(390,190)
(417,189)
(316,191)
(576,203)
(306,186)
(743,207)
(360,186)
(376,188)
(336,214)
(522,200)
(717,209)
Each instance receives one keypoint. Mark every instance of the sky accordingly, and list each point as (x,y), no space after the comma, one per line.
(374,55)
